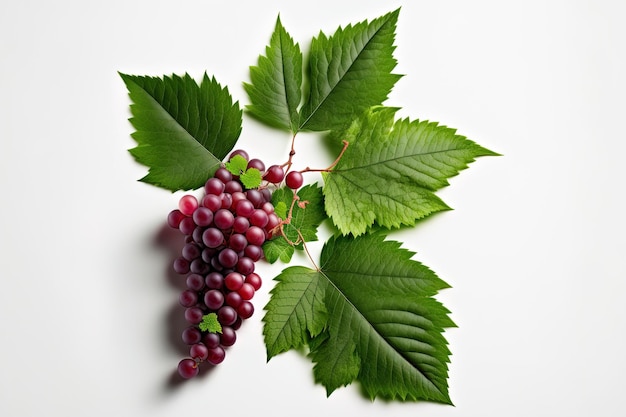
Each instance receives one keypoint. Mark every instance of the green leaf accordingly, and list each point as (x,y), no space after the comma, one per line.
(237,165)
(350,71)
(251,178)
(383,327)
(276,249)
(210,323)
(390,170)
(275,90)
(304,221)
(295,311)
(183,129)
(281,210)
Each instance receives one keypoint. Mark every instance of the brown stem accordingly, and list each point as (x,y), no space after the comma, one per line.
(331,166)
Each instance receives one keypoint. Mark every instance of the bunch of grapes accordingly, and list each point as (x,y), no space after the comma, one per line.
(224,232)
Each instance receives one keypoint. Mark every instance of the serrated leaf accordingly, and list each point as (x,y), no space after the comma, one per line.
(275,90)
(304,220)
(390,170)
(281,209)
(295,311)
(210,323)
(251,178)
(236,165)
(278,249)
(183,129)
(350,71)
(384,328)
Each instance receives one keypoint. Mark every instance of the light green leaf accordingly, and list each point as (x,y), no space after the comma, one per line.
(278,248)
(210,323)
(183,130)
(251,178)
(390,170)
(236,165)
(275,90)
(383,327)
(295,311)
(350,71)
(304,220)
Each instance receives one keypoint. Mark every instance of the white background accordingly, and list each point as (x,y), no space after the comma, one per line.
(534,249)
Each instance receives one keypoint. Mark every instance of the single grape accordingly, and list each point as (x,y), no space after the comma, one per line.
(214,299)
(259,218)
(195,282)
(256,163)
(188,298)
(245,265)
(255,197)
(274,174)
(233,281)
(232,187)
(246,291)
(226,315)
(223,175)
(187,368)
(202,216)
(237,242)
(223,219)
(212,202)
(216,355)
(255,235)
(193,315)
(233,299)
(199,351)
(244,208)
(187,226)
(294,180)
(212,237)
(174,218)
(245,310)
(228,336)
(214,186)
(239,152)
(198,266)
(241,224)
(187,204)
(191,251)
(253,252)
(214,280)
(191,335)
(228,258)
(181,265)
(211,340)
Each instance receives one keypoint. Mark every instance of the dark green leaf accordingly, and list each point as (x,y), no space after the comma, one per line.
(183,130)
(275,90)
(350,71)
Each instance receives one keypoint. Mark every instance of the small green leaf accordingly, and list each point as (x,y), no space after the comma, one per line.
(251,178)
(295,311)
(350,71)
(210,323)
(390,170)
(281,209)
(304,220)
(183,129)
(276,82)
(237,165)
(278,249)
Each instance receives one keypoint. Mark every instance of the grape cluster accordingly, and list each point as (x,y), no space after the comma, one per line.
(224,232)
